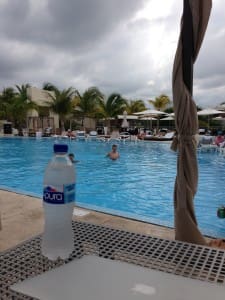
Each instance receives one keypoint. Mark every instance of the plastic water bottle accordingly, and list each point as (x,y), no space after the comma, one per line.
(58,204)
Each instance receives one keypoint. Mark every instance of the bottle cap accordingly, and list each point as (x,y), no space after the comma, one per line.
(60,148)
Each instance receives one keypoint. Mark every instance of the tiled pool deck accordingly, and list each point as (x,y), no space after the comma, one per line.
(22,218)
(99,234)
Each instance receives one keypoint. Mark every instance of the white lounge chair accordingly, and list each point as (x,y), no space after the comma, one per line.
(167,137)
(206,143)
(115,136)
(80,135)
(92,135)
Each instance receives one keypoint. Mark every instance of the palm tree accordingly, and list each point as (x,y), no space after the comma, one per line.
(21,105)
(47,86)
(161,102)
(6,99)
(22,90)
(135,106)
(86,105)
(61,103)
(113,106)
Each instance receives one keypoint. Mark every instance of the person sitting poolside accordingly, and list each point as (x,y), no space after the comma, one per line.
(70,134)
(114,154)
(72,158)
(219,139)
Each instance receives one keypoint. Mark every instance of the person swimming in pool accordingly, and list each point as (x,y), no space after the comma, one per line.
(113,154)
(72,158)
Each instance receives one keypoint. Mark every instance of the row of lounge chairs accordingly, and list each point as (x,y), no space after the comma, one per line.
(167,137)
(114,136)
(207,143)
(92,135)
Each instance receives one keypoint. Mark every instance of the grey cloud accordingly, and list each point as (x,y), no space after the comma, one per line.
(14,11)
(210,64)
(79,23)
(211,58)
(210,82)
(87,43)
(85,23)
(19,64)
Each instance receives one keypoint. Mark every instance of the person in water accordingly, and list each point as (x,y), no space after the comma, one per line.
(113,154)
(72,158)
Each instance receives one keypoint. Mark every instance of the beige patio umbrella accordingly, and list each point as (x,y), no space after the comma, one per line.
(194,22)
(209,112)
(151,113)
(219,118)
(169,118)
(148,118)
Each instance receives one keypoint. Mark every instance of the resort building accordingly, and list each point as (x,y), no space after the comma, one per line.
(44,118)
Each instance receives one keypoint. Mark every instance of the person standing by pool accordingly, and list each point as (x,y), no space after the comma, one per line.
(114,154)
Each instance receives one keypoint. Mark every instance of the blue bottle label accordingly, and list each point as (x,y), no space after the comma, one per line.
(59,194)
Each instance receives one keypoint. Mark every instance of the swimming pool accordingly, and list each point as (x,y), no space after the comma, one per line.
(139,185)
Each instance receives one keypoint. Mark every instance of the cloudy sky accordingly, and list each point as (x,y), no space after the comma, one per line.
(124,46)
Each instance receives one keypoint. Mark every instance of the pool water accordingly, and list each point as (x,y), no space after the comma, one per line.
(139,185)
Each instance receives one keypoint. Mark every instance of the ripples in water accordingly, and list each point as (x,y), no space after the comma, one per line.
(139,185)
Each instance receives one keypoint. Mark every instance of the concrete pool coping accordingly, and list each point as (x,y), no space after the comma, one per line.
(22,218)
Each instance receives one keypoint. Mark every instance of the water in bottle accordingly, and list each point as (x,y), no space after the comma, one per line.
(58,204)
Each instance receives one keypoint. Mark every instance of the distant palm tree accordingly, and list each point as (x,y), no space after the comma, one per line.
(114,105)
(61,103)
(6,99)
(21,105)
(22,90)
(161,102)
(86,105)
(134,106)
(47,86)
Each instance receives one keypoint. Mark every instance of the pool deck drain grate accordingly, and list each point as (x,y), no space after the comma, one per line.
(183,259)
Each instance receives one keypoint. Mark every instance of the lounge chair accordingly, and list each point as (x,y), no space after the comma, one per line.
(206,143)
(125,136)
(134,138)
(115,136)
(92,135)
(80,135)
(64,135)
(167,137)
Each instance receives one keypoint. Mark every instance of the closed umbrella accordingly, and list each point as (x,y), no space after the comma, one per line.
(194,22)
(125,123)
